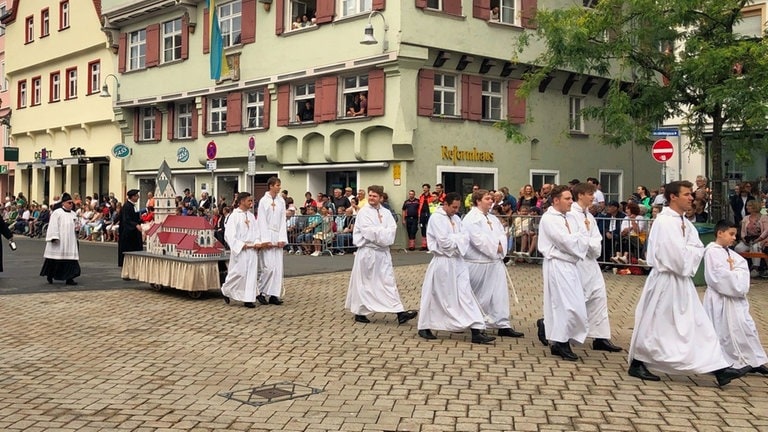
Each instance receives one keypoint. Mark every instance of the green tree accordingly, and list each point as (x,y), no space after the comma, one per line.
(669,59)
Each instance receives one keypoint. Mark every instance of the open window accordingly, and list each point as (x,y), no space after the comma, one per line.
(304,102)
(506,11)
(354,94)
(301,14)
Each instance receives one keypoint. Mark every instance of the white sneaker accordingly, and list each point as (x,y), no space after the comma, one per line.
(642,262)
(754,273)
(624,259)
(316,253)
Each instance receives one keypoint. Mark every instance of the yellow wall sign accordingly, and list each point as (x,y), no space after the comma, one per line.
(474,155)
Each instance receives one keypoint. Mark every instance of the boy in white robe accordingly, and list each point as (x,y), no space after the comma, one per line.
(484,258)
(242,236)
(726,304)
(271,223)
(672,333)
(447,301)
(372,286)
(563,244)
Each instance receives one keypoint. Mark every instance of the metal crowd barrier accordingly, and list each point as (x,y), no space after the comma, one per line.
(317,235)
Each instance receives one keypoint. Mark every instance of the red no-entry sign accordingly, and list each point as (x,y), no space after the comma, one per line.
(662,150)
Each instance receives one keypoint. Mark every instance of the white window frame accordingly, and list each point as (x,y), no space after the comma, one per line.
(137,49)
(3,10)
(253,112)
(610,191)
(509,11)
(301,93)
(171,40)
(23,94)
(349,8)
(575,119)
(361,86)
(45,26)
(231,22)
(30,35)
(302,6)
(147,124)
(442,90)
(71,83)
(3,79)
(544,176)
(94,75)
(37,91)
(749,13)
(488,95)
(435,4)
(56,87)
(64,13)
(184,120)
(217,114)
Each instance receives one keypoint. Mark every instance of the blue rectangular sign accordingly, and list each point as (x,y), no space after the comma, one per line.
(665,132)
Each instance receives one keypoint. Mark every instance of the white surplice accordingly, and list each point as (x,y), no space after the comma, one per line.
(372,286)
(591,276)
(672,333)
(242,274)
(726,304)
(563,244)
(61,227)
(272,228)
(487,273)
(447,300)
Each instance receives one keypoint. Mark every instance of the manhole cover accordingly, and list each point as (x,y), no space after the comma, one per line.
(267,394)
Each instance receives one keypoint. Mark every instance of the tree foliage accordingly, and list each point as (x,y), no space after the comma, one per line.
(669,59)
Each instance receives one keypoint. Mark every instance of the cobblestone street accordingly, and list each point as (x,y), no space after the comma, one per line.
(142,360)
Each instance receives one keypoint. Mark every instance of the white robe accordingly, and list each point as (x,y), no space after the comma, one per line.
(726,304)
(61,227)
(672,333)
(272,228)
(447,300)
(563,244)
(487,273)
(592,277)
(242,274)
(372,286)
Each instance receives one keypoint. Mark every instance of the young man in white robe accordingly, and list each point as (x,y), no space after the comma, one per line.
(242,235)
(62,256)
(672,332)
(271,223)
(599,328)
(447,300)
(372,286)
(563,244)
(726,304)
(485,262)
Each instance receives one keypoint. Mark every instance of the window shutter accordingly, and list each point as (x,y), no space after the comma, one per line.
(421,4)
(283,104)
(376,93)
(184,37)
(318,102)
(452,7)
(475,98)
(515,104)
(426,92)
(267,104)
(122,43)
(207,31)
(204,122)
(330,98)
(234,111)
(171,120)
(465,96)
(136,120)
(527,13)
(153,45)
(158,125)
(325,11)
(248,28)
(481,9)
(194,120)
(378,5)
(279,20)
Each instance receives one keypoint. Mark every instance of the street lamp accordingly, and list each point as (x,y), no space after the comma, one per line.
(368,38)
(105,90)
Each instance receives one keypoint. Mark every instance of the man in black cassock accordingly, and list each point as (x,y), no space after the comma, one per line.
(130,239)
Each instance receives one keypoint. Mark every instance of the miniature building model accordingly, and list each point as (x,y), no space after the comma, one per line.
(165,194)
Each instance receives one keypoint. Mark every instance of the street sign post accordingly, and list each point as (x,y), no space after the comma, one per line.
(210,165)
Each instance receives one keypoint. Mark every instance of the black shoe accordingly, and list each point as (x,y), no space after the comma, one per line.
(249,305)
(427,334)
(563,349)
(275,301)
(424,249)
(541,333)
(49,279)
(411,249)
(405,316)
(70,282)
(126,279)
(760,369)
(362,319)
(605,345)
(510,332)
(479,338)
(262,299)
(226,299)
(726,375)
(637,369)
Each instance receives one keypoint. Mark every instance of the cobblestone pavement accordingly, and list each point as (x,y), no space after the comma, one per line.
(137,359)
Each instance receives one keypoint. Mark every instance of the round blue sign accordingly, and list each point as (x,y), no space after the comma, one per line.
(182,154)
(121,151)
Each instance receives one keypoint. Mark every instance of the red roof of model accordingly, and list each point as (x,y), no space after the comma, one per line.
(187,243)
(187,222)
(170,237)
(208,251)
(153,229)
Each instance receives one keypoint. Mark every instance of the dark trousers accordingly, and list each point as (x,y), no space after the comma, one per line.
(423,221)
(412,226)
